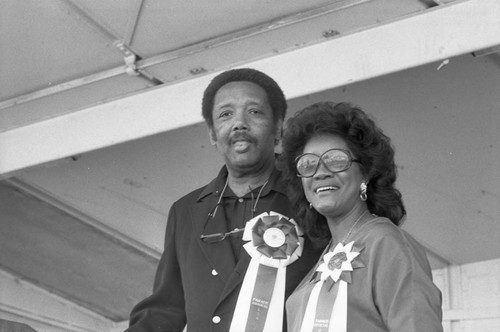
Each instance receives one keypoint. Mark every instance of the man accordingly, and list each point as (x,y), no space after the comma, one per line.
(202,269)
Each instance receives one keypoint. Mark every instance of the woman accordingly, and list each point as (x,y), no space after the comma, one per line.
(373,276)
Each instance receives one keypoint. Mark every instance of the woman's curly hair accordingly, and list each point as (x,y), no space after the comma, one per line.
(367,143)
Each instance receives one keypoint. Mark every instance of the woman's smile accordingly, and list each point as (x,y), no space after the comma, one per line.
(325,188)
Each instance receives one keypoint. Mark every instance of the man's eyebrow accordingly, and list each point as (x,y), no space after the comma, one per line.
(254,102)
(228,104)
(248,103)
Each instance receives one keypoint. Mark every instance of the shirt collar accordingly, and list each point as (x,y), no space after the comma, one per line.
(216,185)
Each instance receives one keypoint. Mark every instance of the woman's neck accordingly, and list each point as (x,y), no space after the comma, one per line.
(342,228)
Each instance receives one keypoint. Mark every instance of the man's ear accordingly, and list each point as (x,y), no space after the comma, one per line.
(211,136)
(278,132)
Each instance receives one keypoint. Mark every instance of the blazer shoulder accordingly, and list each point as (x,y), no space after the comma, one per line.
(190,198)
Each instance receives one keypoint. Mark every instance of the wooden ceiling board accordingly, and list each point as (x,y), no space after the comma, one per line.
(70,258)
(169,25)
(48,45)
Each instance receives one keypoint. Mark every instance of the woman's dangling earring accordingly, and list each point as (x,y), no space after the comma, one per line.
(310,205)
(362,194)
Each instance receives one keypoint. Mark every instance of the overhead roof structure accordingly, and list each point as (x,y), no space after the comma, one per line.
(97,97)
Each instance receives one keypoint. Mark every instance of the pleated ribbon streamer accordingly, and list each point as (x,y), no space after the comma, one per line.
(326,309)
(275,242)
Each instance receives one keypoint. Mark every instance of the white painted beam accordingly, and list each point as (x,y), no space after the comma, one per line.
(437,34)
(471,314)
(28,303)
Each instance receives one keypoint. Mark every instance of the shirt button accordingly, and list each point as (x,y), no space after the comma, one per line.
(216,319)
(214,273)
(240,200)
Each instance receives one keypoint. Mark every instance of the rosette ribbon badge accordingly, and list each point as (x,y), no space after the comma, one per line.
(274,242)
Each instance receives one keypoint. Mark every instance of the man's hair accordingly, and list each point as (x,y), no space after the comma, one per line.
(275,96)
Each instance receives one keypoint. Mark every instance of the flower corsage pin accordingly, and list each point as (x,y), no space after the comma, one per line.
(327,305)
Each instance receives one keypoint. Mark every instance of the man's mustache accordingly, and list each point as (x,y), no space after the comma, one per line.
(241,136)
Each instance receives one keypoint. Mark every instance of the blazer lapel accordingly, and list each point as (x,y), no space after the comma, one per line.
(219,254)
(237,275)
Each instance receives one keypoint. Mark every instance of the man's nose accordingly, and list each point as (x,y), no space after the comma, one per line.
(240,121)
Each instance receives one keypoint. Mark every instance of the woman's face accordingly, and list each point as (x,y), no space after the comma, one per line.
(332,194)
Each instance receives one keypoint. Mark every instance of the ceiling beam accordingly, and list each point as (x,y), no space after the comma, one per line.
(434,35)
(119,237)
(143,63)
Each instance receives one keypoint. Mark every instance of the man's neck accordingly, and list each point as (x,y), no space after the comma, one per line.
(242,183)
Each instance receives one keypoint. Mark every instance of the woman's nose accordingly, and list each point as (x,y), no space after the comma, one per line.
(322,171)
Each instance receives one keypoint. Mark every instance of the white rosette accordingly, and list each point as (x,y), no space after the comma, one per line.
(327,304)
(274,242)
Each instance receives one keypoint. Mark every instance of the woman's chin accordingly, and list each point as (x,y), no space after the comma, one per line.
(325,209)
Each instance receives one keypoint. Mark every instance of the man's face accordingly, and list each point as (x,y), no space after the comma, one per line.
(243,130)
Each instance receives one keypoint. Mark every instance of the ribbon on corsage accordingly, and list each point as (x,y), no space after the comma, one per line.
(275,242)
(326,309)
